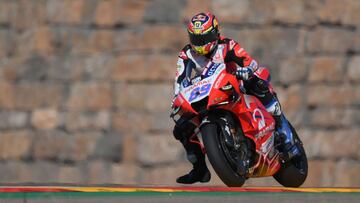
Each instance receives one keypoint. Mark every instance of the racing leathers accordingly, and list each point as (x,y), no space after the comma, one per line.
(238,62)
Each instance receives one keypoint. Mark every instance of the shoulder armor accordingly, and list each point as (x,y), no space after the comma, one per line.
(229,42)
(183,51)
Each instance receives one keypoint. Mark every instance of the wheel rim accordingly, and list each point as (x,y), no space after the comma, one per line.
(232,155)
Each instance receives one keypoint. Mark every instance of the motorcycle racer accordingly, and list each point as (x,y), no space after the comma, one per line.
(206,44)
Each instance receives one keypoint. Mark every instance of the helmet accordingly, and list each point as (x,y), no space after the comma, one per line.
(203,30)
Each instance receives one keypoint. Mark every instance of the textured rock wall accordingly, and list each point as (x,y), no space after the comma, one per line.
(85,85)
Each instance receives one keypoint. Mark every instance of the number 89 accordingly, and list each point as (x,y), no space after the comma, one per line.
(199,92)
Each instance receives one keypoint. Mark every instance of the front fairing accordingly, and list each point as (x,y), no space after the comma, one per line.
(225,90)
(196,93)
(204,92)
(200,87)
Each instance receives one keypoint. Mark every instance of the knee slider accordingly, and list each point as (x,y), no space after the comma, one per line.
(184,131)
(177,132)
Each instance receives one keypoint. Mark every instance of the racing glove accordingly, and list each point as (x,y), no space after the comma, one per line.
(243,73)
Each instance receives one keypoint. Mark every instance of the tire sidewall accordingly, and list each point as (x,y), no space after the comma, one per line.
(217,158)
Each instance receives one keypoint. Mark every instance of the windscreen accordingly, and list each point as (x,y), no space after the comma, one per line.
(199,86)
(192,77)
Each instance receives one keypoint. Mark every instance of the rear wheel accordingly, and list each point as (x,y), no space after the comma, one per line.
(294,173)
(218,155)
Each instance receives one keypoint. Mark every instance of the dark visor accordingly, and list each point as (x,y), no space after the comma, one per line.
(202,39)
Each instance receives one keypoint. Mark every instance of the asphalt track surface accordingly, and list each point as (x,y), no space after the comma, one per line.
(55,194)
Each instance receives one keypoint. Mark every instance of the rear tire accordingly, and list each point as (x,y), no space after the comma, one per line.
(211,138)
(294,173)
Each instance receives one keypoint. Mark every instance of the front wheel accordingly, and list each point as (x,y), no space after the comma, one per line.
(211,135)
(294,173)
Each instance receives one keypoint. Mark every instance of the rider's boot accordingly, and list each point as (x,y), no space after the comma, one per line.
(195,175)
(185,134)
(289,150)
(199,173)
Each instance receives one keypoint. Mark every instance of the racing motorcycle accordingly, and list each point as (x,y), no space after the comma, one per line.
(237,133)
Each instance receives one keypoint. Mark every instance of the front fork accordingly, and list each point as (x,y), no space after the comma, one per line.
(227,126)
(235,142)
(289,145)
(286,130)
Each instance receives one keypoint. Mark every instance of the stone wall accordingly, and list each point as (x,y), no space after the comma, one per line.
(85,85)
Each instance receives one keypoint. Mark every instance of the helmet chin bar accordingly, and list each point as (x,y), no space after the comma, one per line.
(200,50)
(205,49)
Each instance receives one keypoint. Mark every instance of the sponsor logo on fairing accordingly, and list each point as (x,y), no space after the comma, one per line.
(196,79)
(264,131)
(258,114)
(200,83)
(260,119)
(266,146)
(217,99)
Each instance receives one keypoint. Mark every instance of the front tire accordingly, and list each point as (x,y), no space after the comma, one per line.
(215,152)
(294,173)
